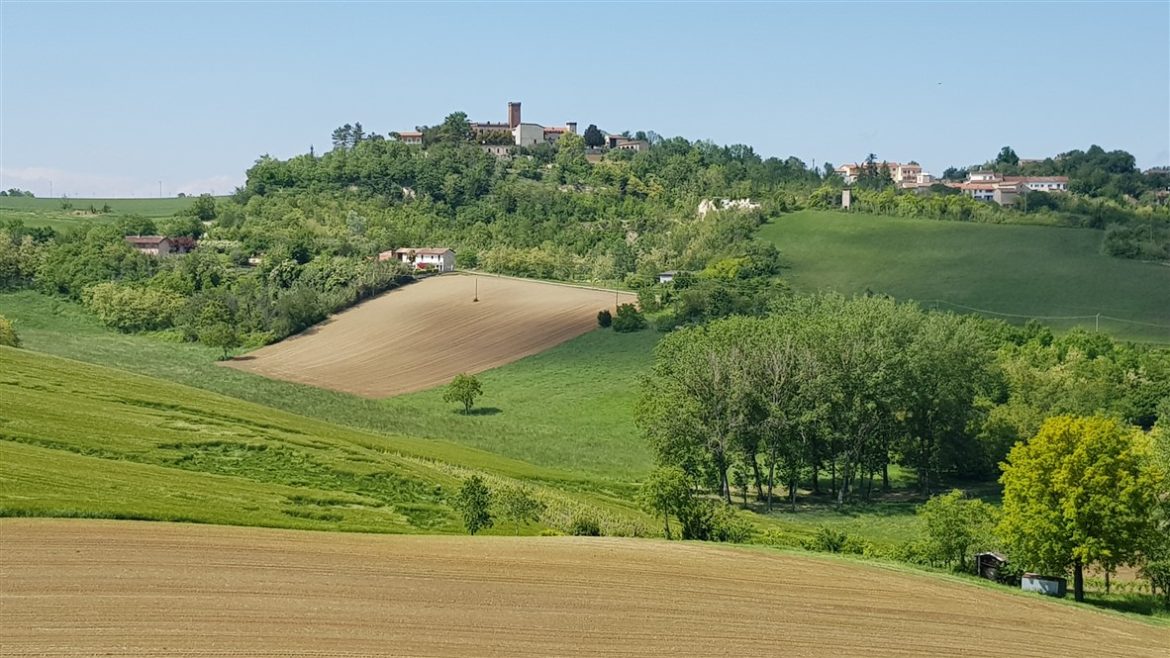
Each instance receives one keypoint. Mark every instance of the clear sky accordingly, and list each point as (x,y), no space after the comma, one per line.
(109,99)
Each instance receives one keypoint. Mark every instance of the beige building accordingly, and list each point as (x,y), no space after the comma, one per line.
(904,175)
(411,137)
(151,245)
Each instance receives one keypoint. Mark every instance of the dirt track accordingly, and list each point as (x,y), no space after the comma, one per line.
(72,588)
(422,335)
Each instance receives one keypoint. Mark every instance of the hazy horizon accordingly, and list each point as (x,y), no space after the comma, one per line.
(112,99)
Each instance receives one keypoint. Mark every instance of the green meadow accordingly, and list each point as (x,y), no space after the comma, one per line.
(63,214)
(1010,271)
(90,441)
(569,408)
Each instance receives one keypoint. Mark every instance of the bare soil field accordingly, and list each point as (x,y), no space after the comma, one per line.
(423,334)
(72,588)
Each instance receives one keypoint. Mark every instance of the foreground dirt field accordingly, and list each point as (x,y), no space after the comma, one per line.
(71,588)
(422,335)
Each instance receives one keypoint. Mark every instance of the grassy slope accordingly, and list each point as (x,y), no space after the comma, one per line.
(84,440)
(1025,270)
(48,212)
(570,407)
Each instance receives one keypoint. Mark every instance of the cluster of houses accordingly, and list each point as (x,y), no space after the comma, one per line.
(435,259)
(498,138)
(981,185)
(1007,190)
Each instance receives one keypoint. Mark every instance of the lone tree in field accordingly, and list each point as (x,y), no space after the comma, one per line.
(463,389)
(474,502)
(222,335)
(1083,491)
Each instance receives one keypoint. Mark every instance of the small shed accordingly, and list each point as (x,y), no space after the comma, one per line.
(1049,585)
(988,565)
(666,277)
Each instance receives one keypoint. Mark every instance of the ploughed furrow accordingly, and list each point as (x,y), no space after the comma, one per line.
(72,588)
(422,335)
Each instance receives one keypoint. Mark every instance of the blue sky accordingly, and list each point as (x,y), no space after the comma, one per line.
(108,99)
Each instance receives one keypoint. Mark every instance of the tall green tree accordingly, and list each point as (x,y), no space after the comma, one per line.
(1081,492)
(1007,156)
(594,137)
(474,502)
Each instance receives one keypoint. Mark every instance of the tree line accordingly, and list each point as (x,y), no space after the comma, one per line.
(826,393)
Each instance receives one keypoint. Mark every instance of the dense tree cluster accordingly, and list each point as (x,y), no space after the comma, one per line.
(843,388)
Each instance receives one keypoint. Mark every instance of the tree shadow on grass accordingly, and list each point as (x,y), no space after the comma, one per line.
(481,411)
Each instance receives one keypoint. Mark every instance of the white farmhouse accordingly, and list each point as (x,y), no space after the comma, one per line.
(439,259)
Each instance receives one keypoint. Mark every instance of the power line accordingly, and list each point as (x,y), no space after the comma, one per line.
(1046,317)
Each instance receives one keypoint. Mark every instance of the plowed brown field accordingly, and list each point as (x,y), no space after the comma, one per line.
(422,335)
(71,588)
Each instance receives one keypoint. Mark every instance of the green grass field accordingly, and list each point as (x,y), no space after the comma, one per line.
(83,440)
(569,408)
(49,212)
(1020,271)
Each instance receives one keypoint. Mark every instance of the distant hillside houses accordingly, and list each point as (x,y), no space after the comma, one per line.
(905,176)
(1006,190)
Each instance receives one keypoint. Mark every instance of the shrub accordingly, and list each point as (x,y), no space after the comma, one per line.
(727,525)
(585,526)
(127,308)
(1158,573)
(8,333)
(628,319)
(604,318)
(830,540)
(520,506)
(955,527)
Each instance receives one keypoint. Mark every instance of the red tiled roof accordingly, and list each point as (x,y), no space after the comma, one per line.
(1036,179)
(145,240)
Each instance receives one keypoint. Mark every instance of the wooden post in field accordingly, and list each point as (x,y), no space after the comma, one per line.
(476,289)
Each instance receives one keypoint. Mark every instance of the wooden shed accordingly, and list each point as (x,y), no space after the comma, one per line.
(988,565)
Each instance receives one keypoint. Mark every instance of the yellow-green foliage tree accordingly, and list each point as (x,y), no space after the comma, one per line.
(1082,491)
(7,333)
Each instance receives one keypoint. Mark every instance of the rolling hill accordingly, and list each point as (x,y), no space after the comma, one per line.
(1010,271)
(128,446)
